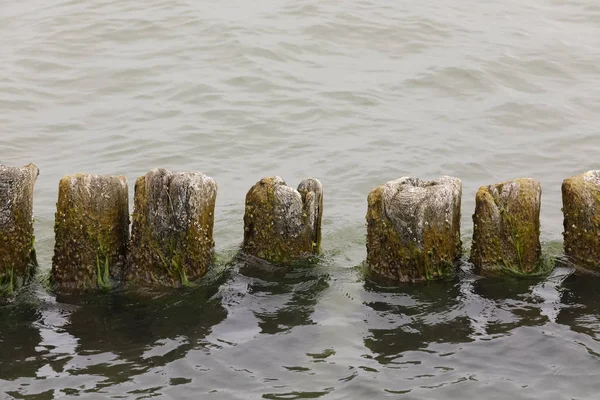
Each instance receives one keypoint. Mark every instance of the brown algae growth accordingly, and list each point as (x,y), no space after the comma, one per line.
(172,232)
(17,253)
(506,230)
(92,232)
(413,229)
(282,224)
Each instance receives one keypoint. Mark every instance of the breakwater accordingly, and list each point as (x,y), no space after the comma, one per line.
(413,228)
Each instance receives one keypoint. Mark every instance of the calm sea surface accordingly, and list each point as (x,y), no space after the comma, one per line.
(354,93)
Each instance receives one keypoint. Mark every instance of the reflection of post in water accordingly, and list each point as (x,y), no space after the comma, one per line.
(501,303)
(298,286)
(19,337)
(128,324)
(509,303)
(498,305)
(581,305)
(411,317)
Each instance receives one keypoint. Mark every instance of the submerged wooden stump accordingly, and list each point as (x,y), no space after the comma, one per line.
(92,232)
(281,223)
(413,229)
(581,208)
(17,254)
(172,231)
(506,231)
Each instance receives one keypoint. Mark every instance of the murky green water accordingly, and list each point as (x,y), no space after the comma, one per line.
(353,93)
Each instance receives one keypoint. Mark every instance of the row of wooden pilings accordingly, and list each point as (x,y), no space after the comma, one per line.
(413,227)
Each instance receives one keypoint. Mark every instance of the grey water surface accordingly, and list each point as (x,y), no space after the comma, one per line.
(354,93)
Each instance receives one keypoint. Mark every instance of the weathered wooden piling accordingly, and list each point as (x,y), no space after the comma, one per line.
(282,224)
(92,232)
(413,229)
(172,231)
(581,209)
(17,254)
(506,231)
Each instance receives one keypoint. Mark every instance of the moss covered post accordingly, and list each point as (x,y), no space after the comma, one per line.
(413,229)
(17,254)
(172,232)
(282,224)
(506,230)
(581,209)
(92,232)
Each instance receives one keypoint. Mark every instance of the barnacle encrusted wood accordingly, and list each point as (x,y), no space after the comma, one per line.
(17,254)
(506,231)
(92,232)
(172,232)
(413,229)
(281,223)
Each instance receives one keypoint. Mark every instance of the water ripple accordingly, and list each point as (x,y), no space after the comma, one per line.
(354,94)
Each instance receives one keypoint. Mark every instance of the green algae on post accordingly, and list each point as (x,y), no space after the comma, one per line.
(413,229)
(17,254)
(581,209)
(506,231)
(172,231)
(282,224)
(92,232)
